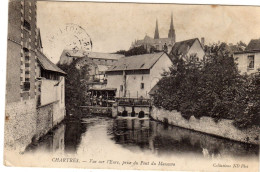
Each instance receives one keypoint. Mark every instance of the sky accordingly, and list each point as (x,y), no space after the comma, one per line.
(114,26)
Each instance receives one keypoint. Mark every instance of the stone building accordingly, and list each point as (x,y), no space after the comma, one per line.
(249,60)
(23,49)
(97,62)
(135,76)
(21,73)
(160,44)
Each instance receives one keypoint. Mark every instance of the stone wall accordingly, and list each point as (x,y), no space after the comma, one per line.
(24,122)
(20,124)
(44,119)
(223,128)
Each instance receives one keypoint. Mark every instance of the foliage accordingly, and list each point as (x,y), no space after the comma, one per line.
(210,87)
(133,51)
(223,47)
(248,102)
(75,86)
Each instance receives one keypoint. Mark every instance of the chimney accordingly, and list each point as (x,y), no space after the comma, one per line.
(202,41)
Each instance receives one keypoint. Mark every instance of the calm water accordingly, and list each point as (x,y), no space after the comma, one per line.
(138,136)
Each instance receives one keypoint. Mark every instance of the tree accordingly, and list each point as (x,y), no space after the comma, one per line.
(211,87)
(75,86)
(133,51)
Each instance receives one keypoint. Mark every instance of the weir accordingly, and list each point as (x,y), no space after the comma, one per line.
(125,107)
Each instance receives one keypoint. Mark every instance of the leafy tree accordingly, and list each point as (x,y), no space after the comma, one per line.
(75,86)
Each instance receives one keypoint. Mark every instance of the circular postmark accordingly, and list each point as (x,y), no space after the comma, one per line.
(72,37)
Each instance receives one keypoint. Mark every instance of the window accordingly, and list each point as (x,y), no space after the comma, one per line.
(121,87)
(26,86)
(26,25)
(26,71)
(142,85)
(251,62)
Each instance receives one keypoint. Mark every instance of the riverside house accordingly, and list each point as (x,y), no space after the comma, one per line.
(135,76)
(249,60)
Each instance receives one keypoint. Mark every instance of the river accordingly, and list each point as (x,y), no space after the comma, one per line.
(138,136)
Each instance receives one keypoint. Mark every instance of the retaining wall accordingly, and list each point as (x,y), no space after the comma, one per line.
(24,122)
(223,128)
(20,124)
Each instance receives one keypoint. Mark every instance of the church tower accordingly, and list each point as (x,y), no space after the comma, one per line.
(171,33)
(156,33)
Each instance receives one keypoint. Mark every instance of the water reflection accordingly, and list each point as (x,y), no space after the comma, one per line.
(73,132)
(65,138)
(169,140)
(139,135)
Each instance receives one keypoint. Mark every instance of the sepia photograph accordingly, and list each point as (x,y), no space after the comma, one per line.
(132,86)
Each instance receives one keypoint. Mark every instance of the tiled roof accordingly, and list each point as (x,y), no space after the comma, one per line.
(47,64)
(182,47)
(82,53)
(254,45)
(138,62)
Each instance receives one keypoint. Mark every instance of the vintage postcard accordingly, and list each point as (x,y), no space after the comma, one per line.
(132,86)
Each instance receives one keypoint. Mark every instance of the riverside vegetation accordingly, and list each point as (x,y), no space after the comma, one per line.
(210,87)
(75,86)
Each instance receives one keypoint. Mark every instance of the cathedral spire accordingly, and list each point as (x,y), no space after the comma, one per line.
(171,33)
(156,33)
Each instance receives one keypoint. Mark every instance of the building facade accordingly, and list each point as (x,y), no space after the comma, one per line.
(157,43)
(249,60)
(21,73)
(135,76)
(24,120)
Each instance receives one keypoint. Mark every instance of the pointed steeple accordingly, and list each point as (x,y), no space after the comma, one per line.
(156,32)
(171,33)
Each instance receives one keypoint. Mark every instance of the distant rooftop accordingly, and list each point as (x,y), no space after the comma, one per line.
(82,53)
(182,47)
(254,45)
(138,62)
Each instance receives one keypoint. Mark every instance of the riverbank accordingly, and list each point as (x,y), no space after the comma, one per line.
(223,128)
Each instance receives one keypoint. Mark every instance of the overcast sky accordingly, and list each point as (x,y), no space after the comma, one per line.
(113,26)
